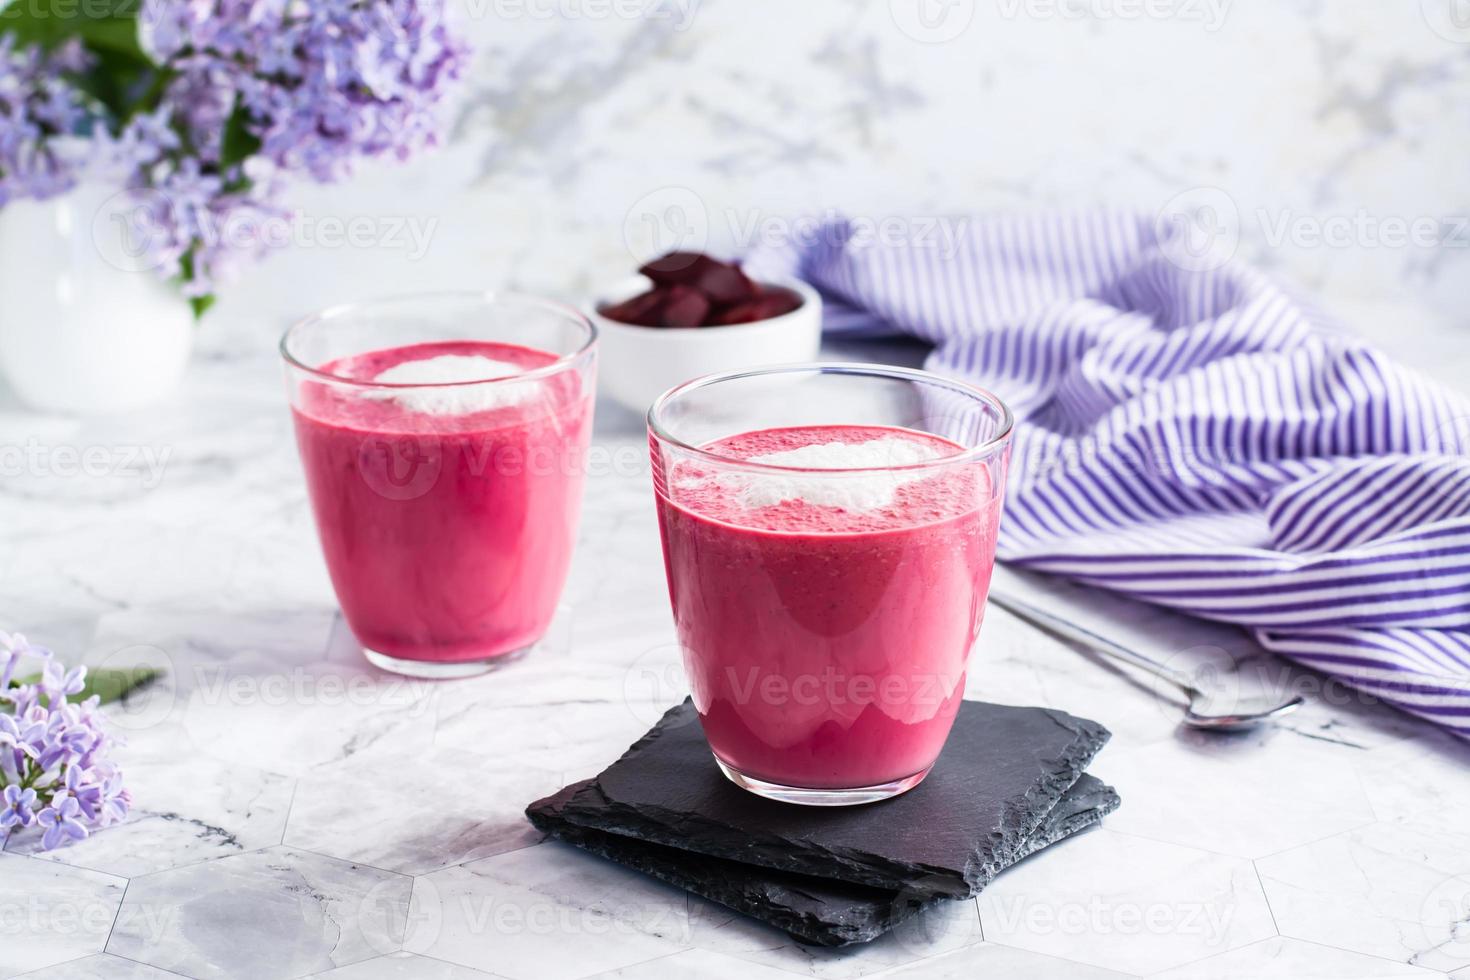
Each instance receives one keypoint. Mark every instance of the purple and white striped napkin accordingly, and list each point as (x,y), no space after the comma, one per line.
(1198,437)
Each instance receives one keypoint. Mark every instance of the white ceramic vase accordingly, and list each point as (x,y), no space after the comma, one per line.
(86,327)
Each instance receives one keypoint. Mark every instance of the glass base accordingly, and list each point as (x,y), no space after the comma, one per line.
(807,796)
(443,670)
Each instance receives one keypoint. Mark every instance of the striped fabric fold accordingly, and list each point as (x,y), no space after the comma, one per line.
(1200,438)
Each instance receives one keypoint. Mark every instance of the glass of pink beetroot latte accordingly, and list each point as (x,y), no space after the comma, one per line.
(829,535)
(444,439)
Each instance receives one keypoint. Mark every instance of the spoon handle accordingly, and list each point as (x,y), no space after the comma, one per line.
(1077,634)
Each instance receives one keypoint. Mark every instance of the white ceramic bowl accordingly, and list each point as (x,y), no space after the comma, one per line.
(637,364)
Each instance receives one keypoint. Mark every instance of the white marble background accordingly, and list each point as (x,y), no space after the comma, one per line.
(301,814)
(1327,127)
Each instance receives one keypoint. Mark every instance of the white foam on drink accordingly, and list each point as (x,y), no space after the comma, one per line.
(852,492)
(448,369)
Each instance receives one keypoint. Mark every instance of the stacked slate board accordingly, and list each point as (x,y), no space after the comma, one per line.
(1009,782)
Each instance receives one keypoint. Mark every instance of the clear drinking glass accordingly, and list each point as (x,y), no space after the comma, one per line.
(444,439)
(829,536)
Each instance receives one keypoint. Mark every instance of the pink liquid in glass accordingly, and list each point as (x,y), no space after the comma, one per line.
(447,533)
(826,644)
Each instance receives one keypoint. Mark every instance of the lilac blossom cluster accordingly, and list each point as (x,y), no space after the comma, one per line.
(251,93)
(40,117)
(54,771)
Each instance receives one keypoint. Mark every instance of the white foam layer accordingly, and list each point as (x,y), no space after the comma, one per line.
(851,492)
(448,369)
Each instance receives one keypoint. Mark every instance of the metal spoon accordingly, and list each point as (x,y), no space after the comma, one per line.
(1245,711)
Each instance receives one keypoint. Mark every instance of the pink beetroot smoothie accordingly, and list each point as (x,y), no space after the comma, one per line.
(447,515)
(826,636)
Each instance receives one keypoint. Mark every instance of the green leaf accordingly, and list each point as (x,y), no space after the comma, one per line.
(107,28)
(108,684)
(103,25)
(115,685)
(199,304)
(117,81)
(238,142)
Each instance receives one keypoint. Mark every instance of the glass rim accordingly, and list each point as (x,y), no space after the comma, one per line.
(971,454)
(488,296)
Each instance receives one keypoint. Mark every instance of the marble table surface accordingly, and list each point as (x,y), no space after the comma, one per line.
(300,814)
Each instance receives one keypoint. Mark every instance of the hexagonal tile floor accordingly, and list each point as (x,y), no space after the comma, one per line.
(1279,958)
(1398,891)
(300,813)
(184,816)
(426,827)
(272,913)
(102,966)
(549,912)
(1248,818)
(1144,906)
(50,913)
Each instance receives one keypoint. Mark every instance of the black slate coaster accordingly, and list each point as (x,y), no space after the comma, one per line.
(816,910)
(1002,771)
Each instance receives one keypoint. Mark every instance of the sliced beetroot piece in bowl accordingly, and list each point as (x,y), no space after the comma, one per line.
(731,315)
(676,268)
(691,289)
(643,310)
(684,306)
(725,284)
(773,301)
(722,282)
(777,301)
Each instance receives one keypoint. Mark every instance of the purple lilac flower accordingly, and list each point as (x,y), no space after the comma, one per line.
(53,767)
(115,800)
(320,85)
(19,808)
(79,784)
(39,113)
(62,822)
(13,647)
(259,91)
(58,682)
